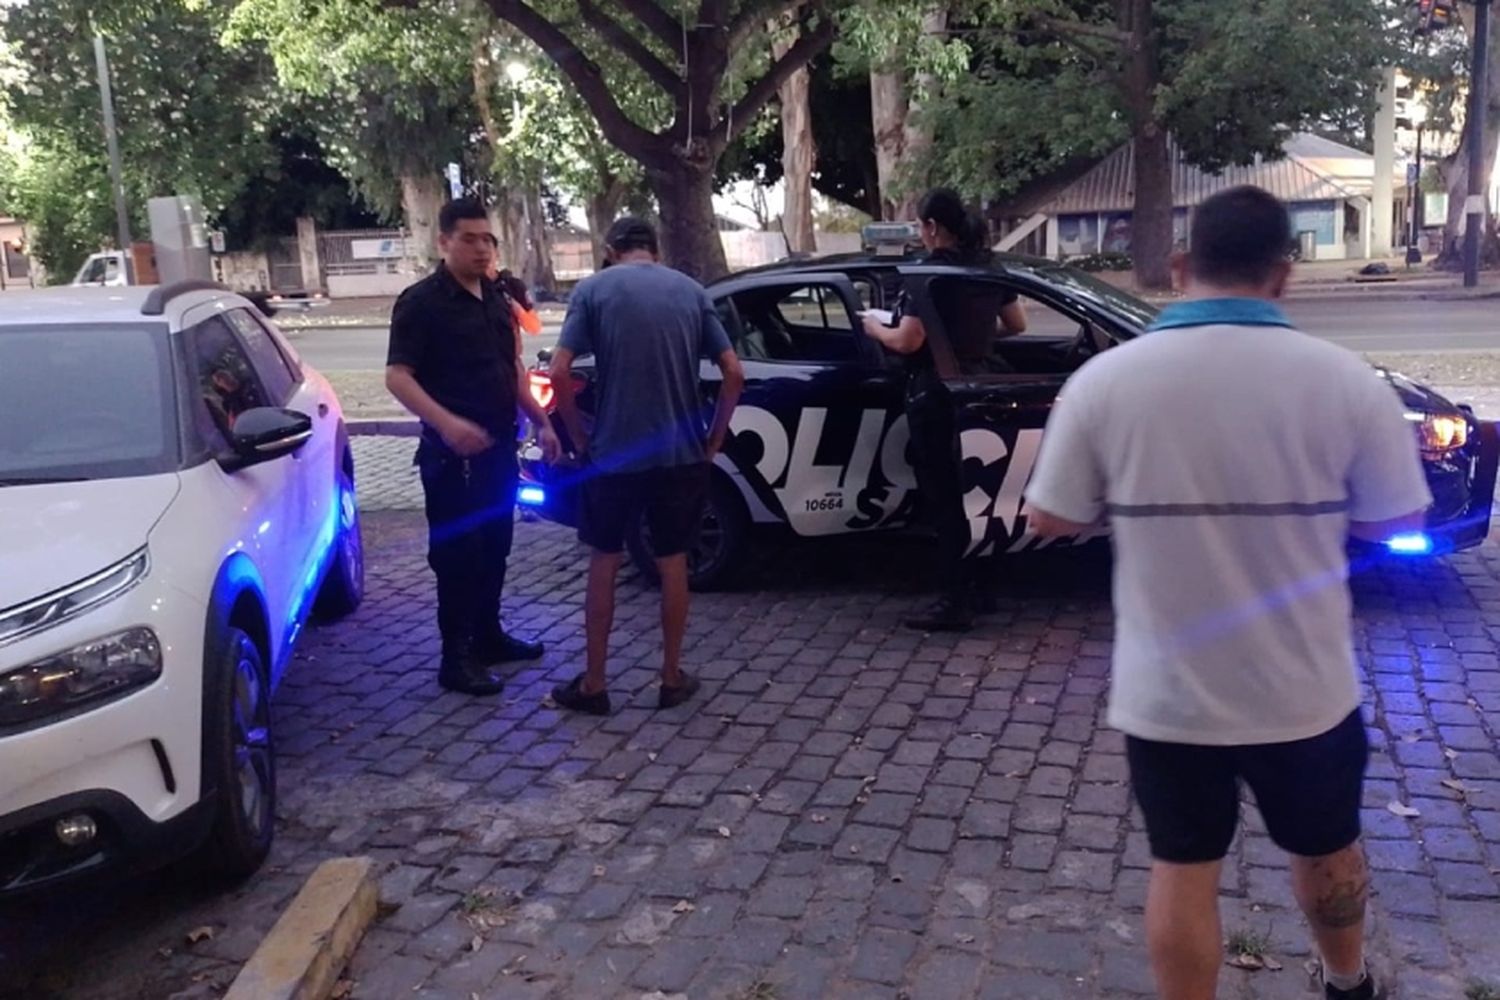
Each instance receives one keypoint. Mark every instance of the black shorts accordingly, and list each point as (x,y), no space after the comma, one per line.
(671,499)
(1308,792)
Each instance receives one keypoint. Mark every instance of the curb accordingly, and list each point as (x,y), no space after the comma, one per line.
(393,427)
(307,949)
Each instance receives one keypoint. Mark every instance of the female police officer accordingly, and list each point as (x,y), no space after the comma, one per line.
(973,316)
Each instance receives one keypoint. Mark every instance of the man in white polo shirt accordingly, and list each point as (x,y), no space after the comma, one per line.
(1233,457)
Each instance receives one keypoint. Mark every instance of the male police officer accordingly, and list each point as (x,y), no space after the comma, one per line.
(453,362)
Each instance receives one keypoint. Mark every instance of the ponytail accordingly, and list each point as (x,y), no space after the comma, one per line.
(945,207)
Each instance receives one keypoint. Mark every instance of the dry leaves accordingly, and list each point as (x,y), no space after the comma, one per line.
(818,818)
(599,871)
(204,933)
(964,938)
(683,906)
(1458,786)
(1402,809)
(342,990)
(476,942)
(1254,963)
(725,832)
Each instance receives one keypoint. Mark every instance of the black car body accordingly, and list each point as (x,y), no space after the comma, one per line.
(819,439)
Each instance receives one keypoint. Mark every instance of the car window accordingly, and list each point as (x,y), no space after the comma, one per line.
(802,323)
(271,365)
(86,402)
(93,272)
(226,378)
(111,269)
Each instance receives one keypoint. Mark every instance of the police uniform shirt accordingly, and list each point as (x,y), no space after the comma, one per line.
(461,348)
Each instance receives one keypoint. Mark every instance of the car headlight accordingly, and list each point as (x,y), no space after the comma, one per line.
(1440,434)
(57,607)
(87,674)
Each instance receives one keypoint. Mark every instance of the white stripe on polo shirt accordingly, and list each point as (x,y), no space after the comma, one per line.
(1230,453)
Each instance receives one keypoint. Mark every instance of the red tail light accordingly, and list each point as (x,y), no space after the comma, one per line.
(541,387)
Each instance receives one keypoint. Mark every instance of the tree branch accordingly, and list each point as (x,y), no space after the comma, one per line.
(754,16)
(626,135)
(613,32)
(799,55)
(1066,28)
(661,24)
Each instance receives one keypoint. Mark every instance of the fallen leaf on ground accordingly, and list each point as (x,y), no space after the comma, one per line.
(1252,963)
(1450,753)
(724,831)
(818,818)
(1272,964)
(547,702)
(853,848)
(1458,786)
(1412,737)
(476,942)
(1402,809)
(204,933)
(651,757)
(598,871)
(164,952)
(964,938)
(342,989)
(683,906)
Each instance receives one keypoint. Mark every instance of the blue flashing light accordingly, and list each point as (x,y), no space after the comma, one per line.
(531,496)
(1415,543)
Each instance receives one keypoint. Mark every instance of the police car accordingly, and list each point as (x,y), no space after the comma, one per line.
(176,500)
(819,439)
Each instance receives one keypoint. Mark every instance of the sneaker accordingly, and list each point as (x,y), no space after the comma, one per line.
(675,695)
(467,675)
(571,697)
(948,614)
(1366,990)
(503,648)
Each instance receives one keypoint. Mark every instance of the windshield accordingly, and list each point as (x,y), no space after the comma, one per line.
(85,402)
(1099,292)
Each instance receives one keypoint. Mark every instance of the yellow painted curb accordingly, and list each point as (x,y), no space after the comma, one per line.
(307,949)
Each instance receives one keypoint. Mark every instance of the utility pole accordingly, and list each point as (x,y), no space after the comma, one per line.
(112,143)
(1474,207)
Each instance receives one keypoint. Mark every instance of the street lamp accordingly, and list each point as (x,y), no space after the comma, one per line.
(1418,115)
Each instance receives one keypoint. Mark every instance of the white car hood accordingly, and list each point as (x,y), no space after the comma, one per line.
(54,534)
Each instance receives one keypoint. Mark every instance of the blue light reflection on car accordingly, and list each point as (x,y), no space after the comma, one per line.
(1414,543)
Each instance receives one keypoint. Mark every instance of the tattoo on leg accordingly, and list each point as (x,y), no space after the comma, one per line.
(1342,905)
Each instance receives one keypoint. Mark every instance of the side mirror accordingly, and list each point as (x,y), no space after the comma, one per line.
(544,356)
(266,433)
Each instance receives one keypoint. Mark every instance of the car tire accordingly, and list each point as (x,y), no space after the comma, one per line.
(239,760)
(344,585)
(717,559)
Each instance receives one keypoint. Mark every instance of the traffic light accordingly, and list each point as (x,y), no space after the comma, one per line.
(1435,15)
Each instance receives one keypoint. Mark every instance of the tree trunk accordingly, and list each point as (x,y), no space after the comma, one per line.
(689,231)
(798,149)
(421,200)
(1455,169)
(603,208)
(539,272)
(888,113)
(1151,220)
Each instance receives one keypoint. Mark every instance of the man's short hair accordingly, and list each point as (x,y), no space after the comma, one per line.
(1238,237)
(454,211)
(631,233)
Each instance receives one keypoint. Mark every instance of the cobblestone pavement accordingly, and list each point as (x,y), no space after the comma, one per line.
(848,811)
(385,478)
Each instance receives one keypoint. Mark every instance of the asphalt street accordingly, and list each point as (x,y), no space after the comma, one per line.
(1368,324)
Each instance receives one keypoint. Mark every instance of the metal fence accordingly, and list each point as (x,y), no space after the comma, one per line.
(365,251)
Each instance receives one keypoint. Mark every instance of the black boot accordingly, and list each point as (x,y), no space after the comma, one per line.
(463,672)
(499,647)
(950,613)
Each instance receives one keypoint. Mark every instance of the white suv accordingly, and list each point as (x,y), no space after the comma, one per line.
(176,494)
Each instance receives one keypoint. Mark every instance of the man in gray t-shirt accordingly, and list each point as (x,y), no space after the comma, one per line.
(652,440)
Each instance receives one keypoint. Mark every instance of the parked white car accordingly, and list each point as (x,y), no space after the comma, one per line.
(176,496)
